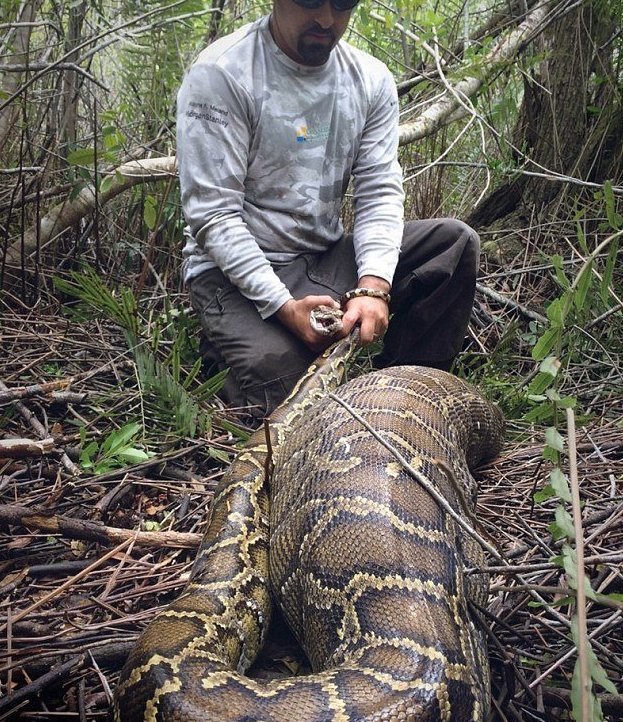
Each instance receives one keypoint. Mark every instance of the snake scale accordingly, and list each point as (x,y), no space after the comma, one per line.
(366,567)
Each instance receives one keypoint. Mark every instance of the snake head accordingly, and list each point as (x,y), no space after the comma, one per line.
(325,320)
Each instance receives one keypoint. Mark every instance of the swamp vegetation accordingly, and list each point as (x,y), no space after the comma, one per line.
(112,439)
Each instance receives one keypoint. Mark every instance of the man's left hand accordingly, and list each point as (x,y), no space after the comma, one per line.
(371,313)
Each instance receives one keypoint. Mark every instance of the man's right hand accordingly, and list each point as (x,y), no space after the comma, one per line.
(294,315)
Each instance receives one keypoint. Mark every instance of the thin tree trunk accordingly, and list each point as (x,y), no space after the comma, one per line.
(10,82)
(70,91)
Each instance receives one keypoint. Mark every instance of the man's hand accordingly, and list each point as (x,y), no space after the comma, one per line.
(294,315)
(371,313)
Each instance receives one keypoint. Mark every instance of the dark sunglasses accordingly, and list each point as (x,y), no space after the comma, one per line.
(339,5)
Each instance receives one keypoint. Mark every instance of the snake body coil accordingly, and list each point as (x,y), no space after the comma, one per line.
(366,567)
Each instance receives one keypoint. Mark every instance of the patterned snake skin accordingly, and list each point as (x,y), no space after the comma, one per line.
(365,565)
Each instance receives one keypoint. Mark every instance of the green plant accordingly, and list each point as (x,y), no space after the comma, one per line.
(555,350)
(174,395)
(98,300)
(116,451)
(567,528)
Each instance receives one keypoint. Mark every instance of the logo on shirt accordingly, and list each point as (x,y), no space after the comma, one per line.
(305,134)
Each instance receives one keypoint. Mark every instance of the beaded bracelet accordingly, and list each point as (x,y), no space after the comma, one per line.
(371,292)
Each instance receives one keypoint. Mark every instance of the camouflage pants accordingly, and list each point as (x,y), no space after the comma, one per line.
(432,298)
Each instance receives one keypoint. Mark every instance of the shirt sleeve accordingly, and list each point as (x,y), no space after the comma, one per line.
(378,191)
(214,120)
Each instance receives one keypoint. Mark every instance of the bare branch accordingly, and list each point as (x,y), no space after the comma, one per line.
(449,106)
(43,520)
(24,448)
(70,212)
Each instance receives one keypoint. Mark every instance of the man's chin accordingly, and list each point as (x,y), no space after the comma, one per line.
(315,53)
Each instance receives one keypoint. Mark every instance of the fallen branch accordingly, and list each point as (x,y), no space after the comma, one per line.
(40,520)
(25,448)
(510,303)
(41,431)
(41,601)
(25,392)
(16,393)
(611,704)
(70,212)
(55,675)
(109,654)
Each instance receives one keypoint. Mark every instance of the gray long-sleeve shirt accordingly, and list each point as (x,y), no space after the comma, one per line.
(266,148)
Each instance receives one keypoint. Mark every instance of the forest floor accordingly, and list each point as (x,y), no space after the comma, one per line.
(78,582)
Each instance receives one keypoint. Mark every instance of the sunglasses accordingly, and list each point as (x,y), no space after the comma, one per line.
(339,5)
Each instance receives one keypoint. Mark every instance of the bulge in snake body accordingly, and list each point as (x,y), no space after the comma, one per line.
(366,567)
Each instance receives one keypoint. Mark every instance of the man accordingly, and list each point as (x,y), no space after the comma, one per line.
(273,122)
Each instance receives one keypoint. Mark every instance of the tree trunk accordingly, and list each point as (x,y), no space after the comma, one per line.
(18,41)
(70,92)
(570,119)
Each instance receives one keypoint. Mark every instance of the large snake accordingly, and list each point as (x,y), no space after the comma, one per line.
(367,568)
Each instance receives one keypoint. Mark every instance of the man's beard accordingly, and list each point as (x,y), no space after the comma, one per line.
(314,53)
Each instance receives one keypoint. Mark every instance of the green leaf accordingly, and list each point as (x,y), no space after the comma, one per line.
(547,492)
(538,385)
(106,183)
(81,156)
(564,601)
(582,238)
(150,212)
(550,454)
(86,156)
(240,433)
(553,439)
(561,277)
(212,385)
(109,181)
(87,454)
(540,414)
(77,188)
(120,437)
(608,272)
(550,365)
(88,287)
(537,605)
(132,455)
(546,343)
(566,402)
(219,454)
(569,562)
(113,138)
(570,565)
(560,484)
(556,313)
(576,693)
(564,524)
(598,673)
(585,281)
(104,466)
(614,219)
(192,374)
